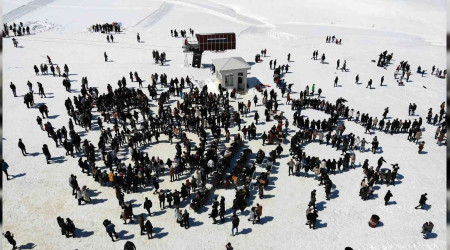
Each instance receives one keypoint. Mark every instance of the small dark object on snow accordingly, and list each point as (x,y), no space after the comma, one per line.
(374,220)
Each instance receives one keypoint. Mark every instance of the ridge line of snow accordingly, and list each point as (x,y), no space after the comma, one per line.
(24,9)
(223,11)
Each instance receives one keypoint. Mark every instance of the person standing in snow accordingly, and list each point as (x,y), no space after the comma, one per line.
(387,197)
(149,229)
(79,196)
(58,70)
(5,167)
(421,146)
(369,84)
(335,81)
(148,206)
(252,215)
(13,88)
(186,219)
(110,229)
(162,199)
(312,202)
(10,237)
(422,201)
(344,67)
(426,229)
(291,167)
(106,56)
(215,211)
(222,209)
(15,42)
(258,212)
(235,224)
(46,152)
(22,147)
(138,38)
(312,219)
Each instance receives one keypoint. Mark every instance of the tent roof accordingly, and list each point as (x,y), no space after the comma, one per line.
(230,63)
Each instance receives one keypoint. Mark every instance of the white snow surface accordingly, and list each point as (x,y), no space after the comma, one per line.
(413,30)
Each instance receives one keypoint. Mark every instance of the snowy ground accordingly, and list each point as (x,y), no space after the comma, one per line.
(412,30)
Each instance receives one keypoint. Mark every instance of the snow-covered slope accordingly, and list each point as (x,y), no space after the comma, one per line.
(412,30)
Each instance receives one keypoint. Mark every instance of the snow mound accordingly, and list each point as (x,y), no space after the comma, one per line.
(267,31)
(43,26)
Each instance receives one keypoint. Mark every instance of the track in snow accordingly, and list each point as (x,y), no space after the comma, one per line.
(24,9)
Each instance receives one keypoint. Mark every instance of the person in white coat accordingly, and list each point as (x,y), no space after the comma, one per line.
(211,164)
(357,142)
(253,215)
(85,194)
(79,196)
(320,137)
(350,114)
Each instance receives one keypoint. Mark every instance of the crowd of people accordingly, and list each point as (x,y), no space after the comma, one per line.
(127,123)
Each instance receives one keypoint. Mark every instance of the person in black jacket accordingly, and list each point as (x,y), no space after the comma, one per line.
(10,237)
(312,218)
(222,209)
(387,197)
(162,199)
(235,222)
(423,199)
(70,228)
(186,219)
(149,229)
(46,152)
(279,149)
(155,185)
(147,205)
(62,225)
(214,212)
(169,199)
(22,147)
(13,88)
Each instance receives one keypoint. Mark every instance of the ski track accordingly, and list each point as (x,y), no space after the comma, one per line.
(25,9)
(156,16)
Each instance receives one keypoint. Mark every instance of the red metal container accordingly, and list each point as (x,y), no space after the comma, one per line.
(216,41)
